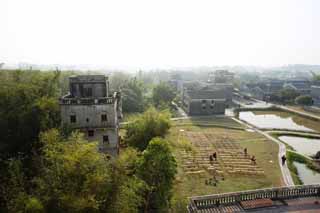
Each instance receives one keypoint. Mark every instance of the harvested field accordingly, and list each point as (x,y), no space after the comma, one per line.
(192,145)
(230,156)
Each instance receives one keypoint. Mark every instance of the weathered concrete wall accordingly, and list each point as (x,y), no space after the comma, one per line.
(197,107)
(112,134)
(88,115)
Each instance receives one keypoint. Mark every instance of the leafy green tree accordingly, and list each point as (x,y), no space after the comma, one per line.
(147,126)
(162,93)
(288,95)
(132,96)
(127,188)
(74,177)
(28,105)
(305,100)
(157,167)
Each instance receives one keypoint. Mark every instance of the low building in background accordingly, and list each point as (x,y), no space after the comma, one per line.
(211,97)
(91,109)
(315,94)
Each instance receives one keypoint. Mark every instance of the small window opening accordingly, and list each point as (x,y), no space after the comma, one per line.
(91,133)
(106,139)
(73,119)
(104,117)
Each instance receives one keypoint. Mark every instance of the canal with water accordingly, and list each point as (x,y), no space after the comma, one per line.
(306,146)
(307,175)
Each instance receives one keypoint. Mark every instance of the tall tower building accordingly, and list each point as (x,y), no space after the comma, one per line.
(90,108)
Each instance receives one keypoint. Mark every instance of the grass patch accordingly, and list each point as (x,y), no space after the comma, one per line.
(210,121)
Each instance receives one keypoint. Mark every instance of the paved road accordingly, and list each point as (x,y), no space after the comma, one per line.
(282,151)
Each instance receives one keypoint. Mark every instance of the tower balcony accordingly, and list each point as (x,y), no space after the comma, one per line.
(67,100)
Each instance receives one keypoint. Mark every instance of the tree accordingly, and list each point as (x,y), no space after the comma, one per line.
(288,95)
(147,126)
(157,168)
(162,93)
(305,100)
(127,188)
(132,96)
(74,176)
(28,105)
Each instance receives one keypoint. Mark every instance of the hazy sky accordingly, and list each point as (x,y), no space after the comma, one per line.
(164,33)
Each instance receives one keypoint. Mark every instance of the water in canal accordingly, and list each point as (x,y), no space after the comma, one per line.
(271,121)
(307,175)
(306,146)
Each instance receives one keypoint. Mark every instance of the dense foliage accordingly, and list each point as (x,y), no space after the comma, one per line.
(132,96)
(157,168)
(147,126)
(162,94)
(285,96)
(305,100)
(132,91)
(28,105)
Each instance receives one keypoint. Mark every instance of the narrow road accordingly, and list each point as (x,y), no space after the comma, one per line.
(180,110)
(299,112)
(282,151)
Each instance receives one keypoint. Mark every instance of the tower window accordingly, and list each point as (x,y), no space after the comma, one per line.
(87,92)
(73,119)
(91,133)
(106,139)
(204,101)
(104,117)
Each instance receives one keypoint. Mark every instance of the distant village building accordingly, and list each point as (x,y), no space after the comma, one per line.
(265,89)
(205,102)
(315,94)
(303,87)
(90,108)
(221,77)
(208,98)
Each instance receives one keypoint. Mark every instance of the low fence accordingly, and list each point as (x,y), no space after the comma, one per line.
(211,201)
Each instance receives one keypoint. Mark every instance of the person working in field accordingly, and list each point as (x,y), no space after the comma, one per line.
(253,160)
(245,152)
(214,155)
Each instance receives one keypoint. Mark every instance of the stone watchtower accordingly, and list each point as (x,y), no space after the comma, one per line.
(90,108)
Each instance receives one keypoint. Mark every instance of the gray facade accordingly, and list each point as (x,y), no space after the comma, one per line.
(89,108)
(315,94)
(205,102)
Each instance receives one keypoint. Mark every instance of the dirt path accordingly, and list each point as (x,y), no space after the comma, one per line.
(282,151)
